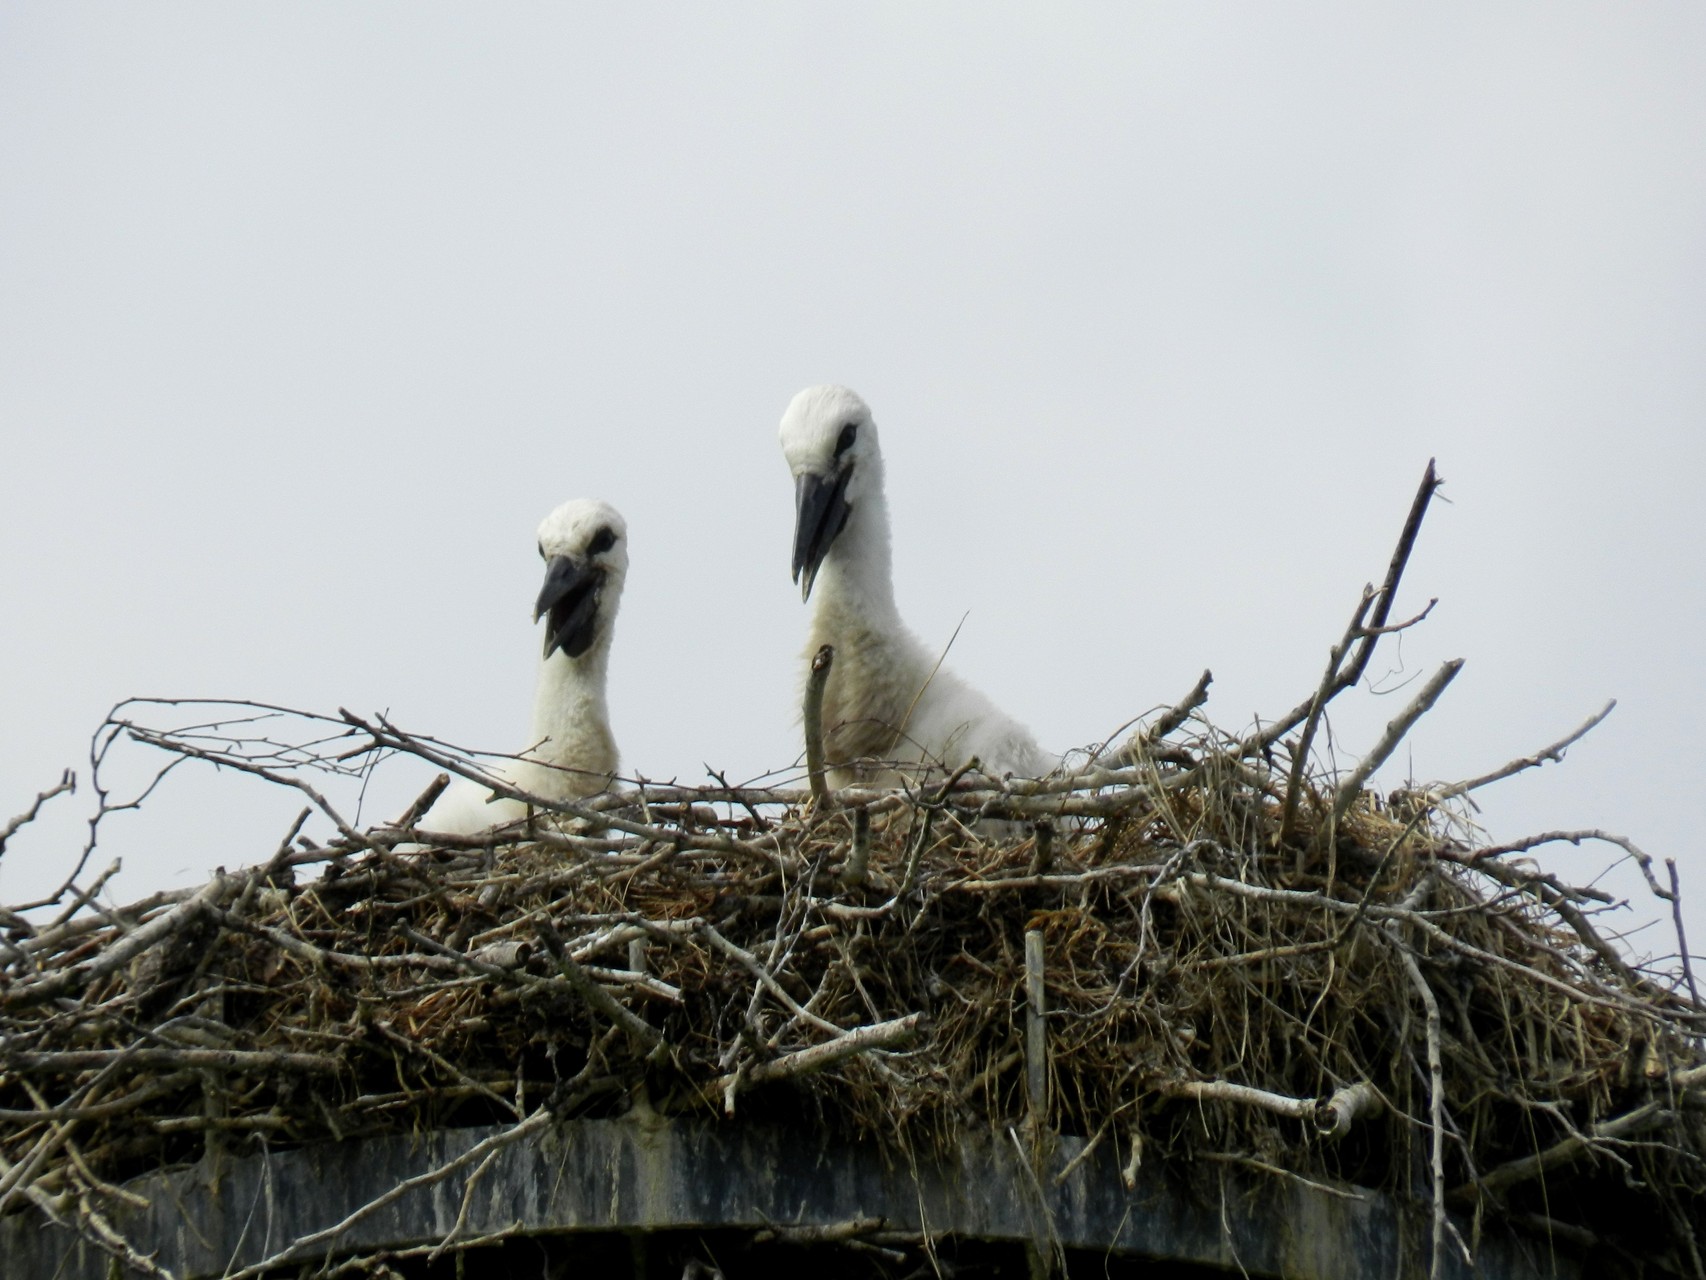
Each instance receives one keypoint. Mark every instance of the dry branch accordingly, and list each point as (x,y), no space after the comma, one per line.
(67,783)
(1552,754)
(1351,787)
(880,1035)
(816,682)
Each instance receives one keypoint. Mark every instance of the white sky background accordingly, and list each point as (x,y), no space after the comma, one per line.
(309,313)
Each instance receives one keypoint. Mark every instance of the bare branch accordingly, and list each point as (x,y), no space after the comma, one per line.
(1351,787)
(880,1035)
(1367,634)
(1643,860)
(816,682)
(1553,753)
(67,782)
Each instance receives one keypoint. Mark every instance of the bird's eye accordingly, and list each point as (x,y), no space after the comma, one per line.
(601,542)
(849,434)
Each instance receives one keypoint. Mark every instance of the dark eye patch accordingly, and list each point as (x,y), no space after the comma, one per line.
(849,434)
(601,542)
(541,550)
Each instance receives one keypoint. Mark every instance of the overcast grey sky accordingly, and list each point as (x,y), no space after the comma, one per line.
(308,314)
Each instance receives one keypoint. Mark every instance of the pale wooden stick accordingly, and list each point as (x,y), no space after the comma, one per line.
(1036,1025)
(1395,731)
(1436,1104)
(877,1035)
(1244,1095)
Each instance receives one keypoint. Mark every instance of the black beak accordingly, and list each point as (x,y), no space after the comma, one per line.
(820,511)
(570,596)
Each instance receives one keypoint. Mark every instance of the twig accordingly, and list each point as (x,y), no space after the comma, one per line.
(1244,1095)
(1324,693)
(1180,711)
(1370,633)
(878,1035)
(120,953)
(449,1068)
(828,1233)
(591,992)
(64,1060)
(1436,1103)
(1553,753)
(538,1120)
(1347,1105)
(1681,934)
(1351,787)
(1492,1182)
(927,814)
(767,980)
(1149,738)
(816,681)
(1036,1026)
(1042,848)
(67,782)
(1642,859)
(853,873)
(164,742)
(423,802)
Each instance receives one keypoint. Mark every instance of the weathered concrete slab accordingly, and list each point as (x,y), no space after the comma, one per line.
(633,1174)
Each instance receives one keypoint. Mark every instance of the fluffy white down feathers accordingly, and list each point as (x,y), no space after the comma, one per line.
(886,701)
(572,752)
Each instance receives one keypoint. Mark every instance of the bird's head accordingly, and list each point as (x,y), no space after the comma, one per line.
(830,443)
(584,544)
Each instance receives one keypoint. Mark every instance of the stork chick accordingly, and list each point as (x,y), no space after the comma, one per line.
(886,700)
(572,753)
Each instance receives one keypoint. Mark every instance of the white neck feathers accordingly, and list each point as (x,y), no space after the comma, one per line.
(857,575)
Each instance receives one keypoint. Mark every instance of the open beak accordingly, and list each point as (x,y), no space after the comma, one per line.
(570,598)
(820,511)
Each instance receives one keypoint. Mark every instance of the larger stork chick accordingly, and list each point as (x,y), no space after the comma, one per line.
(571,753)
(887,702)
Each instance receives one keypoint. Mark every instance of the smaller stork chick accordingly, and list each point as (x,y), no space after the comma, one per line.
(572,753)
(886,700)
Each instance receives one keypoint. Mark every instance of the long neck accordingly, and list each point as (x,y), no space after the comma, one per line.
(857,575)
(570,694)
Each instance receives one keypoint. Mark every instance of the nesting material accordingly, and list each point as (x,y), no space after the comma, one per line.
(1309,1008)
(1198,948)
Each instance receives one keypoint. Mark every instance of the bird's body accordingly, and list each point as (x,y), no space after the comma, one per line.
(888,702)
(572,752)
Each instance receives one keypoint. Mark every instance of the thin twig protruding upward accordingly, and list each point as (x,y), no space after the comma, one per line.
(1395,731)
(859,852)
(1681,933)
(1110,757)
(1349,658)
(67,782)
(1177,714)
(816,682)
(423,802)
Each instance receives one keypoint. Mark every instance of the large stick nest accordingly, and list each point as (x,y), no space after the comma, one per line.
(1238,961)
(697,948)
